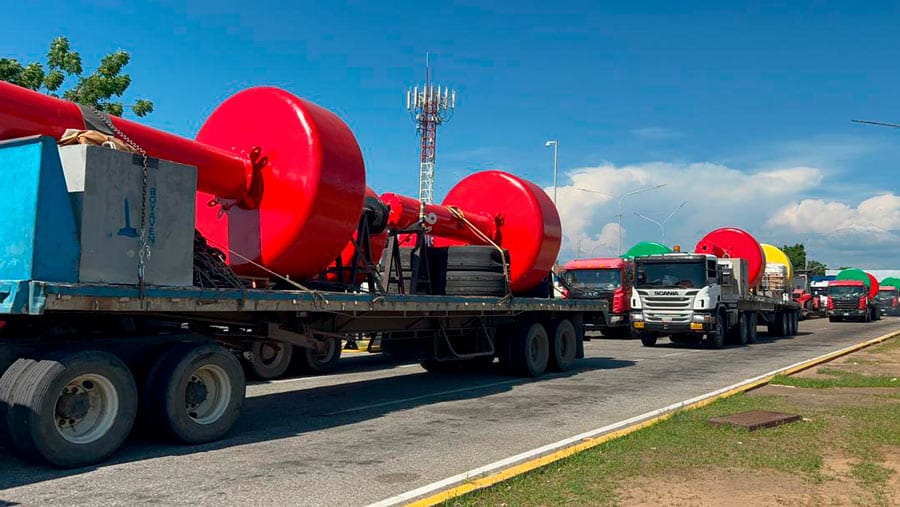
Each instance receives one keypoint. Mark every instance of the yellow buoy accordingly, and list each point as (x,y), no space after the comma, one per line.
(775,255)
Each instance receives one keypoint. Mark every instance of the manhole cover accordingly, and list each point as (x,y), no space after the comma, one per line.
(755,419)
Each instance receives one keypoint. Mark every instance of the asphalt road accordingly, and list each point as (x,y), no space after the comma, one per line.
(376,430)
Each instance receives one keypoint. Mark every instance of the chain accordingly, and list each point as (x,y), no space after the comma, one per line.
(143,245)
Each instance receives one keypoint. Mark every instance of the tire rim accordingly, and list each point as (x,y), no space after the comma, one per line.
(208,394)
(86,409)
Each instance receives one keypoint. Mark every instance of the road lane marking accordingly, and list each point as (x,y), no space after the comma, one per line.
(430,395)
(493,473)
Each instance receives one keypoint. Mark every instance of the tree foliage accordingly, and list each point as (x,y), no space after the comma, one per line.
(100,89)
(797,254)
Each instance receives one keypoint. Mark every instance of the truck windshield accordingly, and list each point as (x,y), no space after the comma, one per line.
(886,295)
(672,274)
(846,290)
(609,278)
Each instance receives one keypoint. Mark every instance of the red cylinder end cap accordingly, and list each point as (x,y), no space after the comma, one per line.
(736,243)
(529,222)
(313,183)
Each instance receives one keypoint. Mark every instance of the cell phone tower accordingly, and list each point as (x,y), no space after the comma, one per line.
(430,105)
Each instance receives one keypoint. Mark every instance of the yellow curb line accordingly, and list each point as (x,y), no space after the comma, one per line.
(490,480)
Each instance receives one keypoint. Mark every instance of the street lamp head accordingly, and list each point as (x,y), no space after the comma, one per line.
(550,143)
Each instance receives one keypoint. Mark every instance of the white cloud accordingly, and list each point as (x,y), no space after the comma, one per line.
(875,216)
(763,202)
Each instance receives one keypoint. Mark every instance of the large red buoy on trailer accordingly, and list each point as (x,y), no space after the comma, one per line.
(281,180)
(513,212)
(734,242)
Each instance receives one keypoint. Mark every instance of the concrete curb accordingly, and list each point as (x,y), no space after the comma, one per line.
(488,475)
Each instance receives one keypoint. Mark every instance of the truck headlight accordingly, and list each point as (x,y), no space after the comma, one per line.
(615,318)
(637,317)
(701,317)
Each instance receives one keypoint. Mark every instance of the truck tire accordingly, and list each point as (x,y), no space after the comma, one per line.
(563,346)
(785,324)
(752,324)
(648,339)
(7,386)
(324,362)
(743,329)
(716,338)
(774,326)
(795,323)
(475,258)
(530,350)
(269,360)
(832,319)
(475,283)
(73,409)
(194,392)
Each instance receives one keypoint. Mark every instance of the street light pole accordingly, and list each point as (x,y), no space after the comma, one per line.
(662,225)
(555,144)
(621,204)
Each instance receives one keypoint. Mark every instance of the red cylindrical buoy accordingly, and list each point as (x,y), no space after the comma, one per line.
(289,175)
(738,243)
(513,212)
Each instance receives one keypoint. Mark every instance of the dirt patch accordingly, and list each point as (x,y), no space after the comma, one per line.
(744,487)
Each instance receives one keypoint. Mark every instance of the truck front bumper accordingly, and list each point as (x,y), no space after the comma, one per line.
(672,327)
(848,314)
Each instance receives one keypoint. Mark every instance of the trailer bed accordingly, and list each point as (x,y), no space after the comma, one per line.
(38,298)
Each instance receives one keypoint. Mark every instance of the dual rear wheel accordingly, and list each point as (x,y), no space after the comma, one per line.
(76,408)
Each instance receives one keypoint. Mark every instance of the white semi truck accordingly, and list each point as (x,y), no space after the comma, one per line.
(692,296)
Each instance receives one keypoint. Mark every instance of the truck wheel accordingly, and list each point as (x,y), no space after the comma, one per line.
(269,360)
(7,387)
(785,324)
(562,346)
(795,323)
(716,338)
(530,350)
(752,321)
(832,319)
(648,340)
(73,409)
(194,392)
(324,362)
(743,329)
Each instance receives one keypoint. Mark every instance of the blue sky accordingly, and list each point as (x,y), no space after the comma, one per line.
(740,106)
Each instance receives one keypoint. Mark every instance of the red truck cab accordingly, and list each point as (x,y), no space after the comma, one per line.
(889,300)
(608,279)
(849,300)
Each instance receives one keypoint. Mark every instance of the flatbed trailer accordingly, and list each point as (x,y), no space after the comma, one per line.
(83,362)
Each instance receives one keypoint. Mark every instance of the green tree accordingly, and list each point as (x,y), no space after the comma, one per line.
(816,268)
(797,254)
(100,89)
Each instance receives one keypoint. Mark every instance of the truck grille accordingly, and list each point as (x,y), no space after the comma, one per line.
(846,304)
(677,308)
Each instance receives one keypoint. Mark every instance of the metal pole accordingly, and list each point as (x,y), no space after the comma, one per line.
(621,204)
(555,144)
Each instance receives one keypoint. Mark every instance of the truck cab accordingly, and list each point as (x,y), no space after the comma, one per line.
(819,291)
(849,300)
(888,300)
(607,279)
(678,294)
